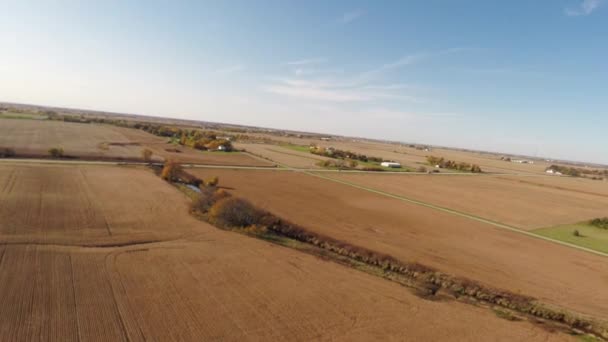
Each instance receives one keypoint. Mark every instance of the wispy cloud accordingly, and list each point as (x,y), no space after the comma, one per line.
(308,61)
(336,91)
(585,8)
(351,16)
(231,69)
(366,86)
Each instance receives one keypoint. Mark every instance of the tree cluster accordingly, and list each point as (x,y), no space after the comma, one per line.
(7,152)
(341,154)
(452,165)
(600,223)
(579,172)
(56,152)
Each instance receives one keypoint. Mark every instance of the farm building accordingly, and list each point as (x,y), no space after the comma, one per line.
(391,164)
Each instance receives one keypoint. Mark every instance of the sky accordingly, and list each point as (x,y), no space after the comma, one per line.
(518,76)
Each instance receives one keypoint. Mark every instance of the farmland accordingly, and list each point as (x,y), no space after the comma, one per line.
(85,205)
(95,250)
(522,203)
(457,245)
(33,138)
(196,282)
(587,236)
(289,157)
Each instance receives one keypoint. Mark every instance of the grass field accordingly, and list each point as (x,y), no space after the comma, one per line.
(590,236)
(299,148)
(23,116)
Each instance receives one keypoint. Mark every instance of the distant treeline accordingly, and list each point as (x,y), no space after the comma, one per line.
(452,165)
(579,172)
(600,222)
(341,154)
(200,140)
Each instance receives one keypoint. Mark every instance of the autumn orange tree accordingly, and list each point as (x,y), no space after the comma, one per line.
(146,154)
(171,171)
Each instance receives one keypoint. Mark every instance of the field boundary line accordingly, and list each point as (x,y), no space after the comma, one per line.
(459,213)
(74,297)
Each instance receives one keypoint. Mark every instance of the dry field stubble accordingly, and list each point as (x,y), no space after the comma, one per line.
(88,205)
(223,287)
(284,156)
(456,245)
(411,157)
(160,147)
(34,138)
(517,201)
(208,286)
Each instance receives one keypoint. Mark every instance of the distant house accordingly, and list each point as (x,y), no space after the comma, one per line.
(553,172)
(394,165)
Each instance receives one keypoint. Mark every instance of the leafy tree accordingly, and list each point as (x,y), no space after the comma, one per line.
(56,152)
(212,181)
(171,171)
(146,154)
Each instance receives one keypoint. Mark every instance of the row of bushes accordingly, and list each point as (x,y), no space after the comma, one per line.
(7,152)
(174,172)
(226,211)
(600,222)
(338,164)
(579,172)
(341,154)
(452,165)
(220,208)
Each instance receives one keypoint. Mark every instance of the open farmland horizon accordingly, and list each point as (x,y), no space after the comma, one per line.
(304,171)
(72,208)
(292,135)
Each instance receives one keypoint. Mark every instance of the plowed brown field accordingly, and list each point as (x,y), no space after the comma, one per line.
(518,201)
(457,245)
(199,284)
(284,156)
(36,137)
(223,287)
(88,205)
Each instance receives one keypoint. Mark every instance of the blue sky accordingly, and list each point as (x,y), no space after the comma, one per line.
(527,77)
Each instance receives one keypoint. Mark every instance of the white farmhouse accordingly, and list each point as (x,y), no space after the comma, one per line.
(394,165)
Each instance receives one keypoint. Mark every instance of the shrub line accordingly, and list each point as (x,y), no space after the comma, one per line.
(225,211)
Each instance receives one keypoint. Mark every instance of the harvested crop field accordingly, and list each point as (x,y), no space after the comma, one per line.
(223,287)
(159,146)
(284,156)
(88,205)
(516,201)
(574,184)
(33,138)
(36,137)
(199,283)
(456,245)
